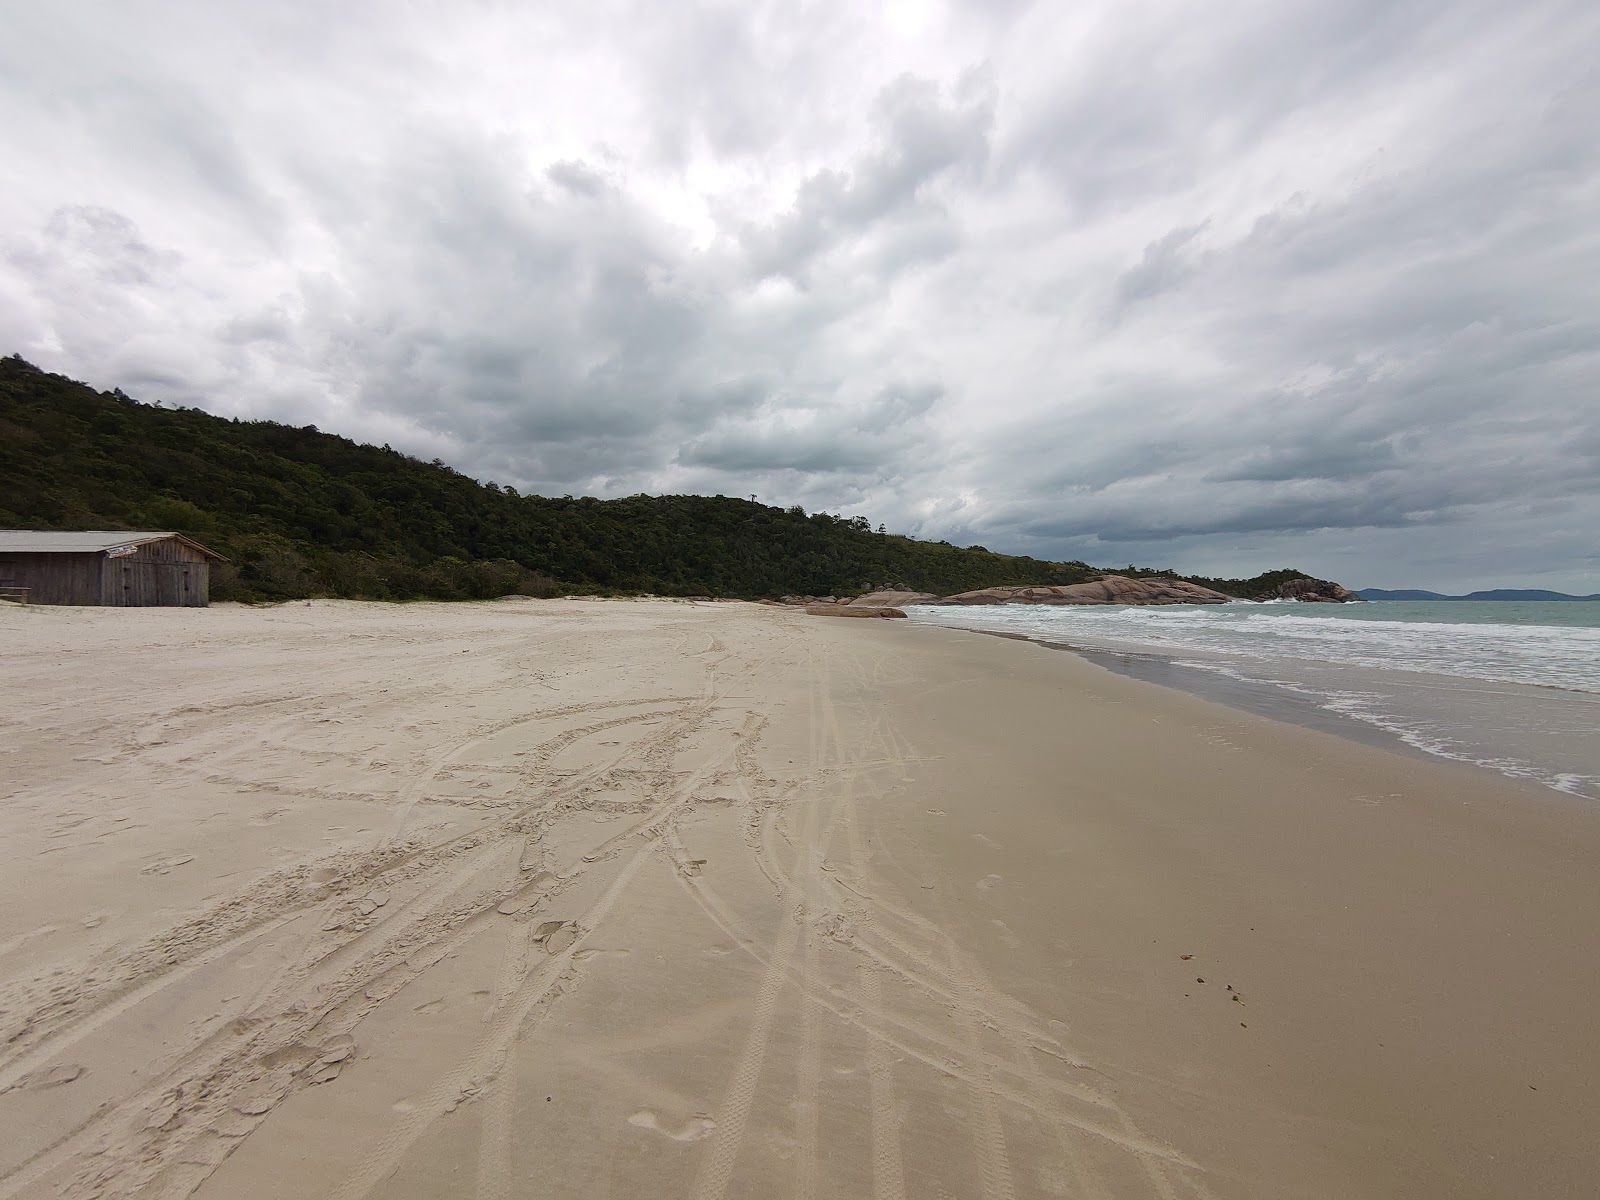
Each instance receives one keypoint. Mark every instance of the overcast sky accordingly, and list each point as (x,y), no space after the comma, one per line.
(1221,286)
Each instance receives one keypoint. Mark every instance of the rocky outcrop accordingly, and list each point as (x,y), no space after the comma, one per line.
(1113,589)
(853,610)
(893,599)
(1312,591)
(1108,589)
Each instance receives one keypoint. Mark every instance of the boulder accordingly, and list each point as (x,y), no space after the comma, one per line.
(1112,589)
(892,599)
(853,610)
(1312,591)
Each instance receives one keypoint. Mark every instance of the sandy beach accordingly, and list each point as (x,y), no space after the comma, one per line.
(662,899)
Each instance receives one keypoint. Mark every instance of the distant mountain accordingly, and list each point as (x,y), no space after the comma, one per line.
(1399,594)
(1491,594)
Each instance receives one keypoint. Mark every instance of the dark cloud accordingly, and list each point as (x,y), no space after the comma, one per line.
(869,439)
(1164,265)
(1309,282)
(577,177)
(921,138)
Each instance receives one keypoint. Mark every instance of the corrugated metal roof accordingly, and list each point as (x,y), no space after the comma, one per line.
(83,541)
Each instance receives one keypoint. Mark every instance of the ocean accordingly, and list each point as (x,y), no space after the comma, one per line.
(1509,686)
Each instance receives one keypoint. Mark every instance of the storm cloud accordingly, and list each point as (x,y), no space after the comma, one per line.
(1224,287)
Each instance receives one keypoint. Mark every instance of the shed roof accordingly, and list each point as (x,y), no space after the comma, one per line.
(85,541)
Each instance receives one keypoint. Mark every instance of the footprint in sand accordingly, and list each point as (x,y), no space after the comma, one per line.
(332,1060)
(164,866)
(56,1076)
(555,936)
(586,955)
(987,841)
(165,1111)
(990,881)
(692,1130)
(517,904)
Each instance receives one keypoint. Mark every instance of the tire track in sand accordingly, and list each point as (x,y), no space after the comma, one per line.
(564,969)
(888,1169)
(942,1051)
(974,1000)
(106,989)
(733,1114)
(989,1138)
(207,1069)
(495,1171)
(978,1001)
(808,1070)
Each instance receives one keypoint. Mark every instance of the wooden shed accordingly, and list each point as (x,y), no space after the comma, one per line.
(105,566)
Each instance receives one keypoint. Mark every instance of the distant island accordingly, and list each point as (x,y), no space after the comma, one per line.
(1490,594)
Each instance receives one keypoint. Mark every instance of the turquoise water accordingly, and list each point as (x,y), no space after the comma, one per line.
(1513,686)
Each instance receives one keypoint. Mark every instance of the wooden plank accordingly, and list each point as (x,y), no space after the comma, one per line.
(54,578)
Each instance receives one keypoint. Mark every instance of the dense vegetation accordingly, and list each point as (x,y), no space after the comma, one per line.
(299,512)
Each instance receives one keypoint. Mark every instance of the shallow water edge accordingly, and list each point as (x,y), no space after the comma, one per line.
(1538,734)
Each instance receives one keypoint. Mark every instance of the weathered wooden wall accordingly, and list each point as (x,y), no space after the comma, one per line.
(159,574)
(54,578)
(164,574)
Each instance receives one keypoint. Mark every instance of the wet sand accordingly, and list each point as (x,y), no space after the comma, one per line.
(655,899)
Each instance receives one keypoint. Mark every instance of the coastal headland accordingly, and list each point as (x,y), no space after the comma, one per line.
(1105,589)
(658,899)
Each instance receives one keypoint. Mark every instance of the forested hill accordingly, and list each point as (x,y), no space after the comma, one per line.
(299,512)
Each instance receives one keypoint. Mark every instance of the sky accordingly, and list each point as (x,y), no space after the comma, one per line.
(1224,286)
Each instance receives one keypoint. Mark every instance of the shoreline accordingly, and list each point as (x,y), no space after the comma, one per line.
(647,899)
(1523,732)
(1258,698)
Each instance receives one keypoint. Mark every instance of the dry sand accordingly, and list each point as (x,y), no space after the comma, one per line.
(588,899)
